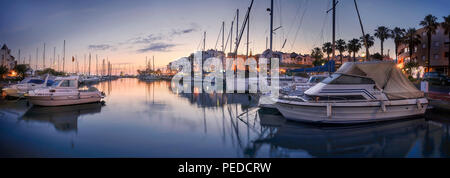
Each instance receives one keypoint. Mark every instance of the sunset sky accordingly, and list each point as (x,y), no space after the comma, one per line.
(126,31)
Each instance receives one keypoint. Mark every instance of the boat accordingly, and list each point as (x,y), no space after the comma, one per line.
(28,84)
(64,91)
(359,92)
(89,79)
(295,87)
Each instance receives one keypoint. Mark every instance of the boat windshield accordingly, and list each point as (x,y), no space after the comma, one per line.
(36,81)
(316,79)
(56,83)
(347,80)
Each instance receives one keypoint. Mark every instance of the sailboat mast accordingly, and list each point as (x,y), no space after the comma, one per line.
(64,55)
(362,30)
(271,23)
(237,30)
(89,68)
(43,59)
(223,36)
(334,29)
(54,57)
(248,33)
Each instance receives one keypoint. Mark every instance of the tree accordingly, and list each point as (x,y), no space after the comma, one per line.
(354,46)
(341,47)
(50,71)
(317,54)
(3,71)
(377,56)
(328,49)
(446,26)
(370,42)
(21,70)
(409,65)
(382,33)
(412,39)
(398,34)
(430,25)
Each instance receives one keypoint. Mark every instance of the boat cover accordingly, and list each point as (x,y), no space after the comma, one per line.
(386,76)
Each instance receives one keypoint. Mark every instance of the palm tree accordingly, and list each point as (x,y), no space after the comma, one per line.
(446,26)
(398,34)
(412,39)
(430,25)
(316,53)
(327,48)
(382,33)
(370,42)
(341,47)
(354,46)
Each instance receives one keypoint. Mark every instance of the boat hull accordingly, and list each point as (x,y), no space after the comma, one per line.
(64,100)
(351,113)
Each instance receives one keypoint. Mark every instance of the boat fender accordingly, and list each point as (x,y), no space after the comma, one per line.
(419,105)
(383,106)
(329,110)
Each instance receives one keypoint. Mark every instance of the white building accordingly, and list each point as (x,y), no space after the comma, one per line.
(6,59)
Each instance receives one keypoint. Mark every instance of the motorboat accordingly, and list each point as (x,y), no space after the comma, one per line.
(28,84)
(89,79)
(64,91)
(359,92)
(295,87)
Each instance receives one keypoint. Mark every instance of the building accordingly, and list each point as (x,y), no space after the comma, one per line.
(6,59)
(439,51)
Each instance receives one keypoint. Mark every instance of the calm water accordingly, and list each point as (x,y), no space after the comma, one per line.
(147,119)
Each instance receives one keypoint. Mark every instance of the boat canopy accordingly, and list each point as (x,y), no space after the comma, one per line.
(386,76)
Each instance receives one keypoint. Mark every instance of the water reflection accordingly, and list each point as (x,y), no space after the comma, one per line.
(406,138)
(148,119)
(64,118)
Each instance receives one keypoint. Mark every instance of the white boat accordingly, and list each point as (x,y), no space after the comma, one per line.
(295,87)
(64,91)
(89,79)
(28,84)
(359,92)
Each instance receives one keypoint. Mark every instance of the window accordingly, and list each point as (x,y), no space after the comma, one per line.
(436,44)
(424,46)
(424,34)
(423,58)
(347,79)
(68,83)
(436,56)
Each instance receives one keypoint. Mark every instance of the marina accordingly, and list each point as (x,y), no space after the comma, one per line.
(157,122)
(152,80)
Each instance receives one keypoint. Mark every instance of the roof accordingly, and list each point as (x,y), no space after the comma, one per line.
(4,46)
(386,77)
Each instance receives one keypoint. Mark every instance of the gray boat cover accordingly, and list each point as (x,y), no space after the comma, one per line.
(386,76)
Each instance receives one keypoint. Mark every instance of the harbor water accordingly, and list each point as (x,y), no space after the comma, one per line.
(148,119)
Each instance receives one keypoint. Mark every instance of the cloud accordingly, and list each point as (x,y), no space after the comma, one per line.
(100,47)
(158,47)
(147,39)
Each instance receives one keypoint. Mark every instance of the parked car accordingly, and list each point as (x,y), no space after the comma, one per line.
(436,78)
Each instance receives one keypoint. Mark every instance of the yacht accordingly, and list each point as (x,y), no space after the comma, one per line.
(359,92)
(28,84)
(64,91)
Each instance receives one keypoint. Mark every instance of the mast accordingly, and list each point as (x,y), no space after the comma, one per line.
(334,29)
(248,33)
(64,55)
(231,36)
(36,58)
(223,37)
(271,24)
(204,40)
(362,30)
(96,64)
(237,30)
(29,61)
(54,56)
(153,65)
(89,68)
(19,57)
(43,59)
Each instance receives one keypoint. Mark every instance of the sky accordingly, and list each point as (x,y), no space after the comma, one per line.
(128,31)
